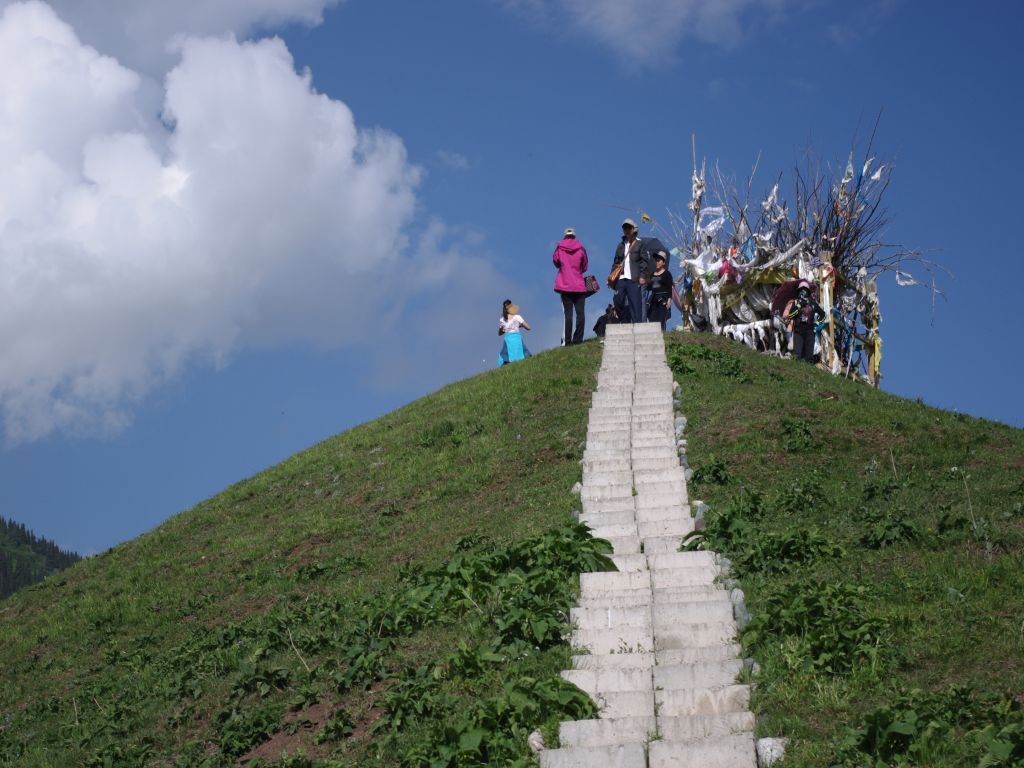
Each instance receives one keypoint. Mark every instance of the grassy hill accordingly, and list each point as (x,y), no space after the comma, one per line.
(395,595)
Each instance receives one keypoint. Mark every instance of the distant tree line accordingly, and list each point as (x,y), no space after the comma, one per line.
(26,558)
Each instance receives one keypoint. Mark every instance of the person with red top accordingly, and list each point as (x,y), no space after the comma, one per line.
(570,258)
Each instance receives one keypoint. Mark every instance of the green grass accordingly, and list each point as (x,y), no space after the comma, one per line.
(395,596)
(183,645)
(879,542)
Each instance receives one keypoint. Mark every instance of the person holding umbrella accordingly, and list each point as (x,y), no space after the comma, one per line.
(801,314)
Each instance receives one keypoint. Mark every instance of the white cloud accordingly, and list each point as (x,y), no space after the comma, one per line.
(257,212)
(647,31)
(139,32)
(455,160)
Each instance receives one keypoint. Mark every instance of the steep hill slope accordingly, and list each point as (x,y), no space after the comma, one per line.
(26,558)
(248,615)
(394,595)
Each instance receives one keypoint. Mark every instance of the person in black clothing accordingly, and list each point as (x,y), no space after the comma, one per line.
(636,270)
(659,307)
(802,314)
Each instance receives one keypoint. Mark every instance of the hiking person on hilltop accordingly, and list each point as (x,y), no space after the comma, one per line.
(509,323)
(659,307)
(631,269)
(802,314)
(571,259)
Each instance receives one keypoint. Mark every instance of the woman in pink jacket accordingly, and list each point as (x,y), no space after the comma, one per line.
(571,259)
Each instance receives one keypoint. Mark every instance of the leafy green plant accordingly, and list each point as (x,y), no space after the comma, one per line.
(796,435)
(831,624)
(713,472)
(888,529)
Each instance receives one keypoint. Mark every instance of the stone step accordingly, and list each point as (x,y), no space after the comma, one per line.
(615,640)
(623,598)
(625,504)
(660,544)
(612,531)
(701,674)
(693,654)
(624,545)
(635,562)
(674,615)
(595,618)
(673,595)
(703,701)
(658,528)
(625,517)
(681,577)
(630,755)
(666,512)
(592,583)
(613,660)
(596,682)
(696,559)
(606,731)
(681,636)
(690,727)
(730,751)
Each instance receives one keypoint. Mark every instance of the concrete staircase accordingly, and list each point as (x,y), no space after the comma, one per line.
(661,656)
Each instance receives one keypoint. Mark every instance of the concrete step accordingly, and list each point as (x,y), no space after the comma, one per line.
(623,598)
(732,751)
(703,701)
(673,595)
(612,531)
(635,562)
(701,674)
(658,528)
(594,583)
(692,654)
(674,615)
(597,682)
(615,640)
(665,512)
(623,504)
(680,636)
(631,755)
(690,727)
(660,544)
(682,575)
(606,732)
(596,618)
(625,517)
(695,559)
(624,545)
(612,660)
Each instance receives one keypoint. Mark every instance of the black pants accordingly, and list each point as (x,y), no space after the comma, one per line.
(628,301)
(570,302)
(803,343)
(658,310)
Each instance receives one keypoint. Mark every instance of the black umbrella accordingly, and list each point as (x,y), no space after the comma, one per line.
(787,292)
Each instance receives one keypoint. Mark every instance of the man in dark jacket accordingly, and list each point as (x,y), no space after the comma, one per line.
(636,270)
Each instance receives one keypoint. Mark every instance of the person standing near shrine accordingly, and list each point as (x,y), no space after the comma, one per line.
(636,270)
(571,259)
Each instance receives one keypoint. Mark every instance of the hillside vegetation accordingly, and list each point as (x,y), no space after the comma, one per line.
(879,542)
(395,596)
(26,558)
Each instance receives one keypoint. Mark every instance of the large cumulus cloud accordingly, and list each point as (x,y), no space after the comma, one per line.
(253,211)
(141,33)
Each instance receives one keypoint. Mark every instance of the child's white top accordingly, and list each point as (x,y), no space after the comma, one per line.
(512,324)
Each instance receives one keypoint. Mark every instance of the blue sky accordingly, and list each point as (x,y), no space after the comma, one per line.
(217,252)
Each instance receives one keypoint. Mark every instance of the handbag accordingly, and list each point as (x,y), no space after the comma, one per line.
(616,273)
(591,284)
